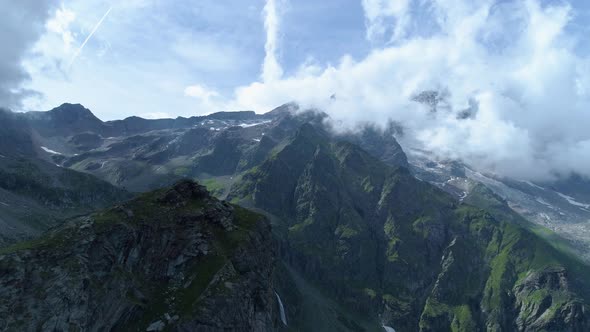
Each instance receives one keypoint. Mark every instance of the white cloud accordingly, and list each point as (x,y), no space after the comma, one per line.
(271,69)
(513,60)
(206,53)
(144,55)
(200,92)
(60,24)
(207,100)
(386,16)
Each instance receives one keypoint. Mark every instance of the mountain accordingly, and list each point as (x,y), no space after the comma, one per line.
(138,155)
(36,194)
(556,208)
(65,120)
(368,236)
(392,248)
(174,259)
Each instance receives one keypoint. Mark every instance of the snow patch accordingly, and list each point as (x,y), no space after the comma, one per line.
(534,185)
(388,328)
(573,201)
(247,125)
(542,201)
(49,150)
(545,216)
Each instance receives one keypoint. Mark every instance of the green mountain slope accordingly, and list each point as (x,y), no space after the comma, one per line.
(174,259)
(401,252)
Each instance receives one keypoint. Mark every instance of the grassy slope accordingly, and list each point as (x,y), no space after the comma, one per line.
(327,194)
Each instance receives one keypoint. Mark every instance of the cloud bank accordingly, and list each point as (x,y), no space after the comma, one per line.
(511,66)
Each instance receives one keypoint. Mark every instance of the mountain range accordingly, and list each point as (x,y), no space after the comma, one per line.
(290,226)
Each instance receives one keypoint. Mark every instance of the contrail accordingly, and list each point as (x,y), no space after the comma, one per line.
(88,38)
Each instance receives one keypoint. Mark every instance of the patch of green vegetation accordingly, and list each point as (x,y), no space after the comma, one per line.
(300,227)
(214,186)
(367,185)
(245,218)
(203,272)
(432,309)
(346,231)
(389,226)
(181,171)
(370,293)
(419,225)
(20,246)
(48,241)
(463,320)
(392,249)
(399,305)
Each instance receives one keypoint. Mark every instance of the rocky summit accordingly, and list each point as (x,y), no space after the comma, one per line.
(175,259)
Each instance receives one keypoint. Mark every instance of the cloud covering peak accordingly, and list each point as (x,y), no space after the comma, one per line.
(511,66)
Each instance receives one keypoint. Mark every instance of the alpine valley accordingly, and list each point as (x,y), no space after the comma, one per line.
(238,221)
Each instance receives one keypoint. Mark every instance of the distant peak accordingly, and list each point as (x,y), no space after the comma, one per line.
(287,108)
(72,112)
(71,108)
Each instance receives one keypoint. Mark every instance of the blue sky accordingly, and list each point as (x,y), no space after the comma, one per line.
(522,66)
(145,53)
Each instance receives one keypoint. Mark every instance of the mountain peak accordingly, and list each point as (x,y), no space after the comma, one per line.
(183,191)
(73,112)
(287,108)
(66,119)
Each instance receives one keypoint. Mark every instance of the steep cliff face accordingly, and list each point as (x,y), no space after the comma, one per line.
(174,259)
(387,245)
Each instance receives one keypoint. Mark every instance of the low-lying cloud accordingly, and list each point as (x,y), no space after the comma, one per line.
(511,66)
